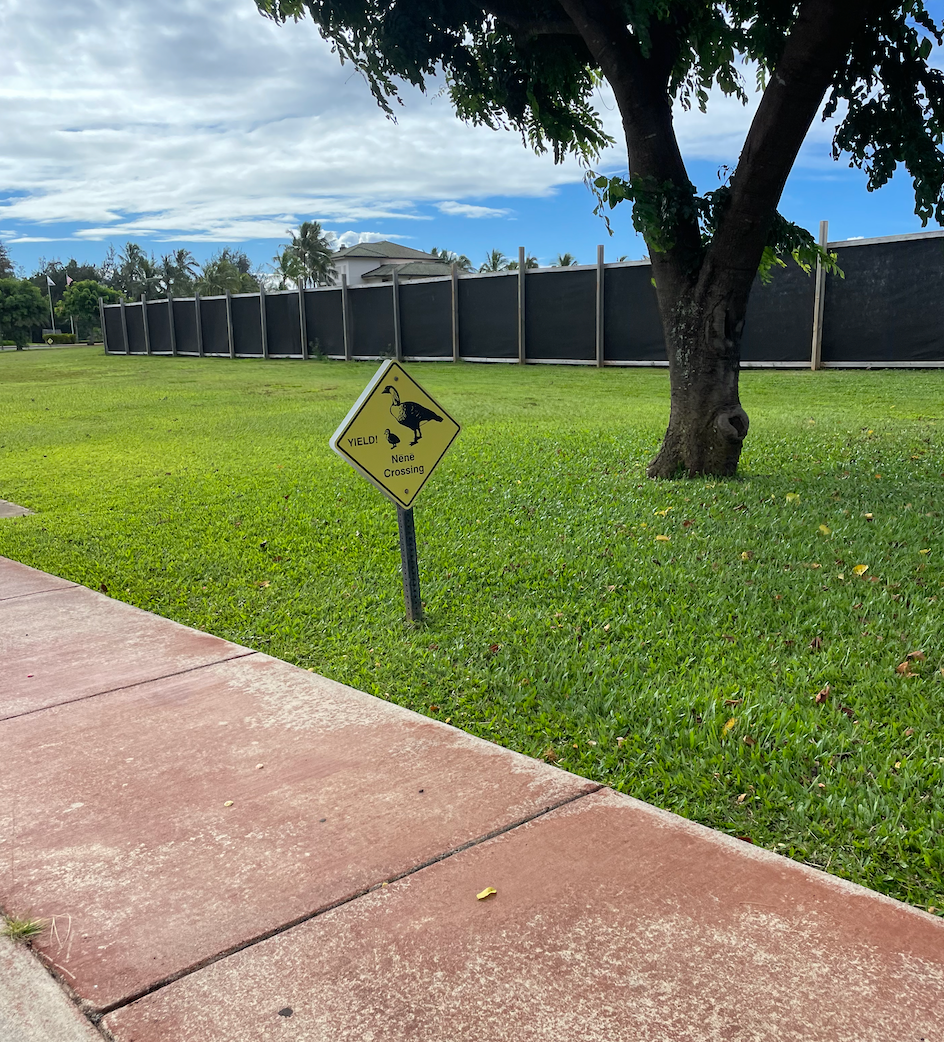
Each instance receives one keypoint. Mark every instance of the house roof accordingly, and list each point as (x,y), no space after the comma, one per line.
(382,250)
(412,270)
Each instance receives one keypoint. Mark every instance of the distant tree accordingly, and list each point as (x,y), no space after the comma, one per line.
(225,271)
(22,307)
(495,260)
(80,302)
(136,273)
(6,265)
(529,262)
(176,272)
(460,260)
(311,249)
(565,260)
(287,268)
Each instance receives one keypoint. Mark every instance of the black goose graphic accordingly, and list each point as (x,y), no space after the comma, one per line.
(410,414)
(392,439)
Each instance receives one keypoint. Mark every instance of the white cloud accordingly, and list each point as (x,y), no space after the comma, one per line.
(200,120)
(454,209)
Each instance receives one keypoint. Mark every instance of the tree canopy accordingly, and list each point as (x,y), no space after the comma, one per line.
(21,308)
(80,301)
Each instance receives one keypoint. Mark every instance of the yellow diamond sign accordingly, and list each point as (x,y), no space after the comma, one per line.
(395,434)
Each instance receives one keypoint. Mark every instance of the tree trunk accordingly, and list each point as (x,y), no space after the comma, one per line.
(707,425)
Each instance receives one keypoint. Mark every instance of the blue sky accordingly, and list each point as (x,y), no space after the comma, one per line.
(197,123)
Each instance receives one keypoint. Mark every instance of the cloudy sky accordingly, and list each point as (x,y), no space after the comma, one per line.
(198,123)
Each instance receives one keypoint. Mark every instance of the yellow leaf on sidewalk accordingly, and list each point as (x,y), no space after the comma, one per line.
(487,892)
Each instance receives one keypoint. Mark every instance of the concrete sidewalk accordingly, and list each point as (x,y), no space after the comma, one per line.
(234,850)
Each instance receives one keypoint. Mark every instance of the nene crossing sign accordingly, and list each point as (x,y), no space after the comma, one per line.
(395,434)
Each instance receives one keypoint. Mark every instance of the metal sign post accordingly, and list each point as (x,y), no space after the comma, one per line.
(409,564)
(395,435)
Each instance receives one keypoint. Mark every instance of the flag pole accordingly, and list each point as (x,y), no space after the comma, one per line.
(52,317)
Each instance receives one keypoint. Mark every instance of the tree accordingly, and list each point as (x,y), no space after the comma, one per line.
(135,273)
(565,260)
(310,255)
(530,261)
(495,261)
(80,301)
(460,260)
(288,268)
(535,65)
(226,271)
(6,265)
(22,307)
(176,272)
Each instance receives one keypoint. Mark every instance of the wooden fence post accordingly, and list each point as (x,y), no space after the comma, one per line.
(455,312)
(302,320)
(397,342)
(199,322)
(124,327)
(170,324)
(229,325)
(144,322)
(522,347)
(263,325)
(600,339)
(101,318)
(345,322)
(819,301)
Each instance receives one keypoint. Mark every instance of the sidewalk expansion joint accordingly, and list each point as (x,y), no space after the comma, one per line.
(98,1014)
(128,687)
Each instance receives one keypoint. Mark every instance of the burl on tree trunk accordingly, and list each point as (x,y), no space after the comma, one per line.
(707,425)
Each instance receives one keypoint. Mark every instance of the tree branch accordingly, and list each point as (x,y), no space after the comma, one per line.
(510,15)
(814,50)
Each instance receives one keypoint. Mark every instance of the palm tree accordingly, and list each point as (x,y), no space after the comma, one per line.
(288,268)
(460,260)
(226,270)
(312,249)
(495,261)
(177,271)
(529,262)
(565,260)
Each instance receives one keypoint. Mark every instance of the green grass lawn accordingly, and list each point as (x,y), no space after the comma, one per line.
(674,640)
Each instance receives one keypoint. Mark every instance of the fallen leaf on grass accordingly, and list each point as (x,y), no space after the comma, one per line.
(746,555)
(549,755)
(742,797)
(816,643)
(861,569)
(792,497)
(904,668)
(487,892)
(825,529)
(733,701)
(728,726)
(744,839)
(822,695)
(663,539)
(925,551)
(262,584)
(747,740)
(918,656)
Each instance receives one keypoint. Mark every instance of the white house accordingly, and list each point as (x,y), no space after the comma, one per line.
(369,262)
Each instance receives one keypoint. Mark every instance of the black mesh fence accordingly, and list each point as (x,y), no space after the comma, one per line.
(371,321)
(185,327)
(283,325)
(560,315)
(631,323)
(488,317)
(324,322)
(426,319)
(888,309)
(213,325)
(158,321)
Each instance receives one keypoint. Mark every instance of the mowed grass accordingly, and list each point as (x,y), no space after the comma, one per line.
(674,640)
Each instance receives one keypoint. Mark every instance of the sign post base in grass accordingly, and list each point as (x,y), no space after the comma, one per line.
(410,565)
